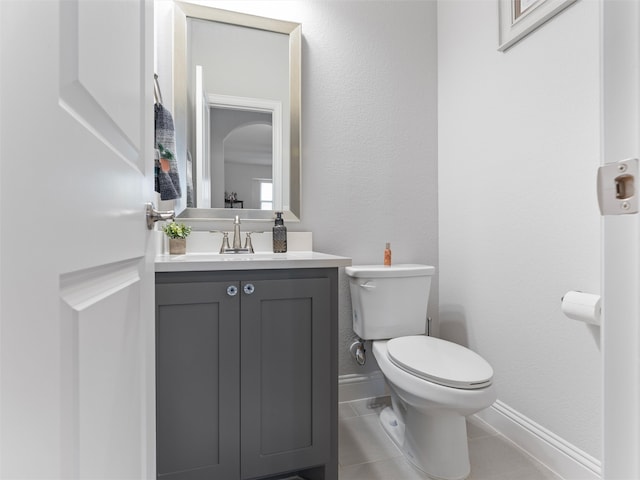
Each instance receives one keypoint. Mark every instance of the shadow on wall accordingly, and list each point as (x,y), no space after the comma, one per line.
(595,331)
(453,324)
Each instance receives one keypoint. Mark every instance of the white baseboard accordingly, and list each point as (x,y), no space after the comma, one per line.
(565,459)
(354,386)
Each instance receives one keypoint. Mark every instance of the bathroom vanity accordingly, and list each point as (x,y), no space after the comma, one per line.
(246,366)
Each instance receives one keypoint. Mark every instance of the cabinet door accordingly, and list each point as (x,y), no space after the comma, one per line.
(197,380)
(286,381)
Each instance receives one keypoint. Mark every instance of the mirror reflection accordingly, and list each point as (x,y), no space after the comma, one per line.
(242,83)
(246,157)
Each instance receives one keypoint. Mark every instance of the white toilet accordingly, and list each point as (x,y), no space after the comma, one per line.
(434,383)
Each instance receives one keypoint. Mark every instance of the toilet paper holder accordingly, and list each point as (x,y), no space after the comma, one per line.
(581,306)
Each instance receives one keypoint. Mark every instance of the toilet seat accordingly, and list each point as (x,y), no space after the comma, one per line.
(439,361)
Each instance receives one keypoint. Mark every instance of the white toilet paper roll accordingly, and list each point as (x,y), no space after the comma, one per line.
(582,306)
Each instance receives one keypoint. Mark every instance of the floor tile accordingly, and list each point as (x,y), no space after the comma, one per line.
(345,410)
(368,406)
(530,472)
(476,428)
(495,457)
(362,440)
(391,469)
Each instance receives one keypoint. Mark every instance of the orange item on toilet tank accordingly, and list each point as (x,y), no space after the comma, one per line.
(387,255)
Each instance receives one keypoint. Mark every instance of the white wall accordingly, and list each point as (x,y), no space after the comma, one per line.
(369,137)
(369,141)
(519,145)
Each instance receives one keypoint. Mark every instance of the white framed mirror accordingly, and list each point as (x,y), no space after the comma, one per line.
(237,113)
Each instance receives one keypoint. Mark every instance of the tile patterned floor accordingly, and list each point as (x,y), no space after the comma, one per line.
(367,453)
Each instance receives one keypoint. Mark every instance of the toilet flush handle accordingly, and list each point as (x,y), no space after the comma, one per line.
(368,286)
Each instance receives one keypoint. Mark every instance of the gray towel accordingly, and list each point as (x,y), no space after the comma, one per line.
(163,182)
(167,183)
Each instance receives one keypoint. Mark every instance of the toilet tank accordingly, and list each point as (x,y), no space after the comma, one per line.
(389,302)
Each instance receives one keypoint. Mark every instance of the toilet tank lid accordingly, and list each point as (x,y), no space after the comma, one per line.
(400,270)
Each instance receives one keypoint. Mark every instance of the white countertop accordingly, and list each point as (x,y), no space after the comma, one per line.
(200,262)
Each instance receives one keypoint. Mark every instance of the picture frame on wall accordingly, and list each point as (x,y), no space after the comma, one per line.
(518,18)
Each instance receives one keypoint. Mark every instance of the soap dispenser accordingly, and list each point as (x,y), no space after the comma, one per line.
(279,235)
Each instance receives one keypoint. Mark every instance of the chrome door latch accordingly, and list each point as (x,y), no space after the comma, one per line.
(617,187)
(154,215)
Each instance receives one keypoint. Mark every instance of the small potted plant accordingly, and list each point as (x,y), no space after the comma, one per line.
(177,233)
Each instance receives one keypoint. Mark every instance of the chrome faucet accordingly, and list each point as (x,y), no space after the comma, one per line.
(236,233)
(237,243)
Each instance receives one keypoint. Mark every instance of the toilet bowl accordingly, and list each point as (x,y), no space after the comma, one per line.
(427,419)
(434,383)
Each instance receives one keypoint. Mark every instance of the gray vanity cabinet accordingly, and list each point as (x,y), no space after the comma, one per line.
(247,374)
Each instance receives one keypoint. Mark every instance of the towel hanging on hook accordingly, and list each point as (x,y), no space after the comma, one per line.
(156,89)
(167,181)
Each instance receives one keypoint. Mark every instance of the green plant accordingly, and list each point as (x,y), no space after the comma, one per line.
(176,230)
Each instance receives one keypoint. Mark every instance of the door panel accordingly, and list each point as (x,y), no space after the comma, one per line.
(286,375)
(285,379)
(198,386)
(101,392)
(76,284)
(101,90)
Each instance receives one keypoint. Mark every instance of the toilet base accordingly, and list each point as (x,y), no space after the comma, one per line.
(392,426)
(434,444)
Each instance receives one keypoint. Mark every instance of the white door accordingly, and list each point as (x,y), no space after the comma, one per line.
(76,284)
(621,246)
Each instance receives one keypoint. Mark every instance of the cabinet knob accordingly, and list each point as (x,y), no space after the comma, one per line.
(232,290)
(249,288)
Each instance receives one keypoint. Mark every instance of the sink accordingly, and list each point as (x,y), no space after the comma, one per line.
(247,261)
(232,257)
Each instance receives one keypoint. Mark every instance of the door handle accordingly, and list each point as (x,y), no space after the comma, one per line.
(154,215)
